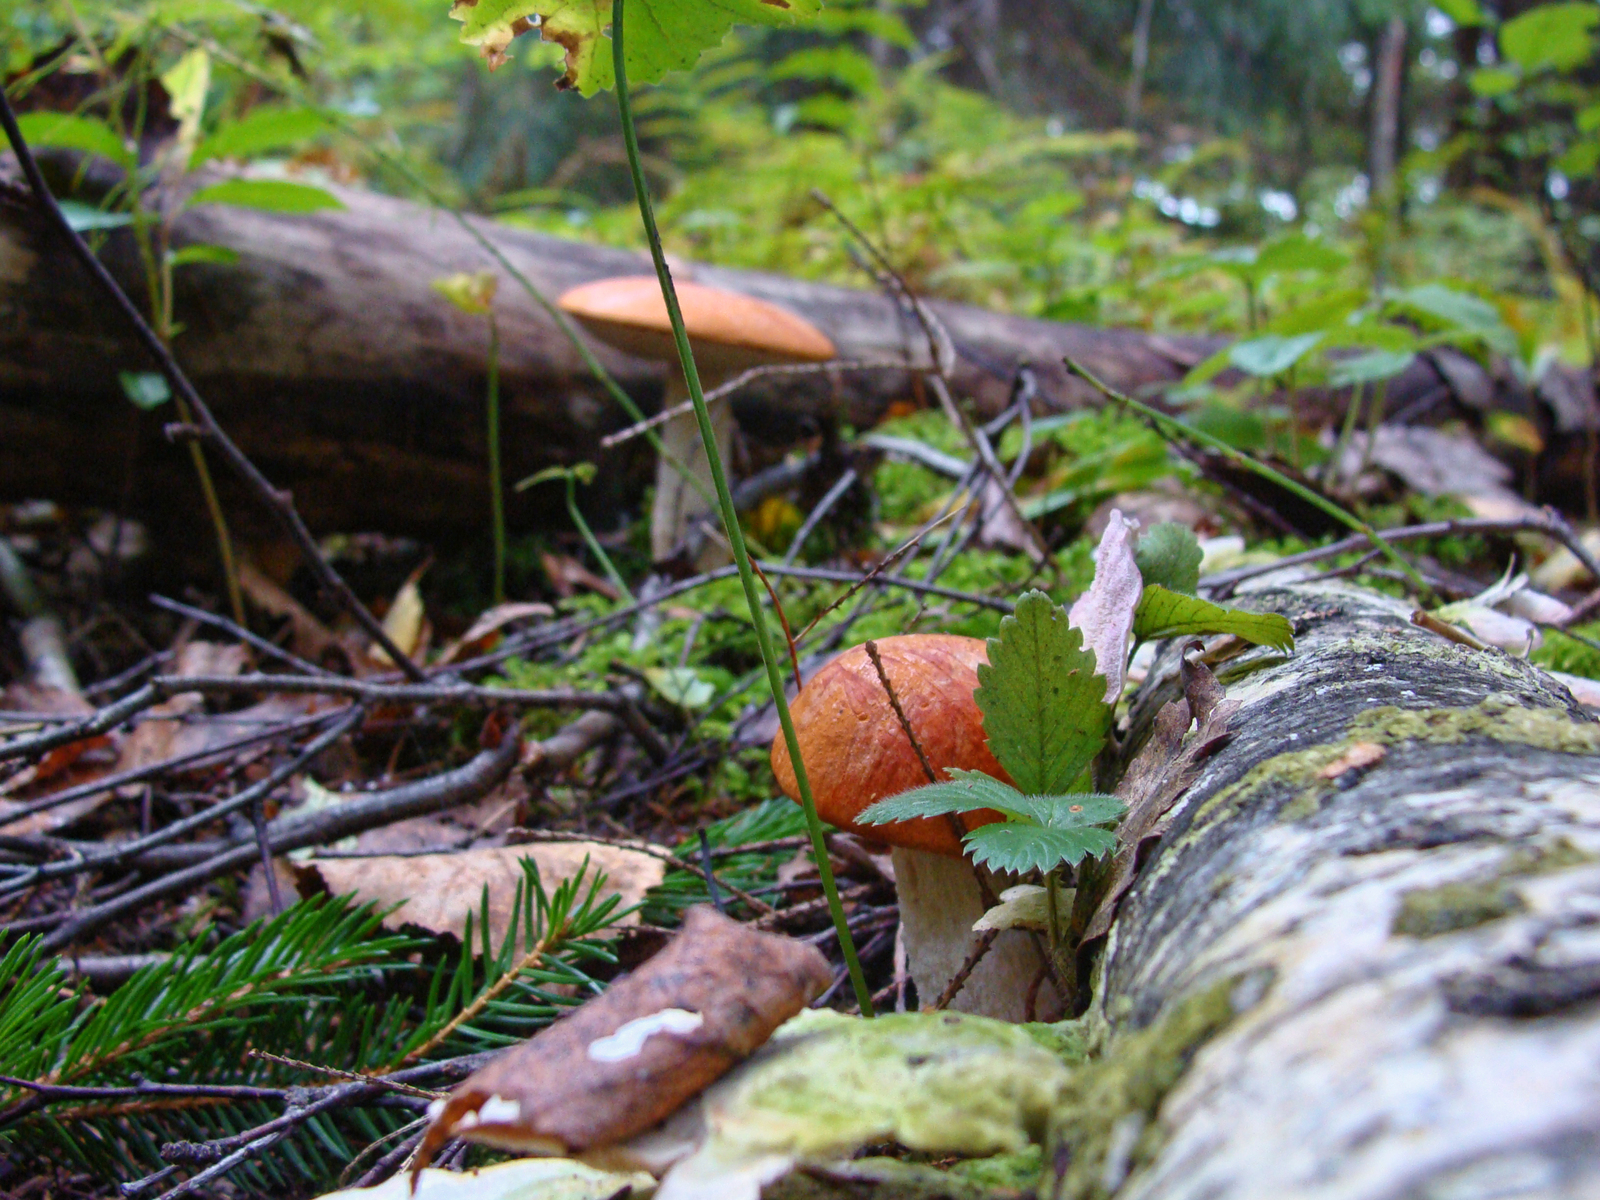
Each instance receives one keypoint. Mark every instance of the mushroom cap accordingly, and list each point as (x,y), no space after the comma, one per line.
(730,330)
(856,752)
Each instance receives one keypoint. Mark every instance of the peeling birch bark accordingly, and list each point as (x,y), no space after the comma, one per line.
(1345,974)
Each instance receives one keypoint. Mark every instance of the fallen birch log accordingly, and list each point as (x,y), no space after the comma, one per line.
(1363,959)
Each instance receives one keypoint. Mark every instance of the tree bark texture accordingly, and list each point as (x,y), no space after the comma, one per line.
(1363,960)
(330,359)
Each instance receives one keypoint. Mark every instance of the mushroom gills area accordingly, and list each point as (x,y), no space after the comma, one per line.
(677,503)
(939,901)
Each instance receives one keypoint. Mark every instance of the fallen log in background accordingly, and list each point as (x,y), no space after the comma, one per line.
(1364,959)
(337,368)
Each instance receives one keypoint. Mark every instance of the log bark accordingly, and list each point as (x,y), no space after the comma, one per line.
(330,359)
(1338,980)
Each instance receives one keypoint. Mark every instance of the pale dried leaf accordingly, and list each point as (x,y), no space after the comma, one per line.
(1026,906)
(493,621)
(521,1179)
(403,623)
(437,891)
(1105,611)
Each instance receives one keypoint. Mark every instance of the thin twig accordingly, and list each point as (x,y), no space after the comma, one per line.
(900,713)
(613,440)
(234,629)
(959,979)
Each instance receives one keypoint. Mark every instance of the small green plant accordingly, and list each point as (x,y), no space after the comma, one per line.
(1047,716)
(1045,712)
(582,473)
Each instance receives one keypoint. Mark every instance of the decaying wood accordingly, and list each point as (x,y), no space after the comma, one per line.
(341,372)
(1364,960)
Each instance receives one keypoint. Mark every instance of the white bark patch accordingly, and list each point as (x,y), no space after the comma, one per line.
(1105,611)
(628,1041)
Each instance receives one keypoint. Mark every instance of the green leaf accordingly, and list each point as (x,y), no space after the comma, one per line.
(1444,307)
(68,132)
(1369,367)
(83,217)
(1462,12)
(146,389)
(1490,82)
(1271,355)
(1007,846)
(1169,555)
(269,195)
(1299,253)
(1164,614)
(966,791)
(681,686)
(259,131)
(1043,706)
(202,253)
(663,35)
(1072,811)
(1551,35)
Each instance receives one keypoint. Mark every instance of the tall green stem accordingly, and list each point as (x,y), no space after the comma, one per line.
(730,519)
(497,497)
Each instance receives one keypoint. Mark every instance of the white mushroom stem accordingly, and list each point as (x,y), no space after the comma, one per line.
(677,501)
(939,901)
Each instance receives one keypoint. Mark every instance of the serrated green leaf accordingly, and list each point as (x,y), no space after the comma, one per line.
(1009,846)
(259,131)
(965,791)
(1169,556)
(68,132)
(1164,614)
(269,195)
(1043,705)
(1072,811)
(663,35)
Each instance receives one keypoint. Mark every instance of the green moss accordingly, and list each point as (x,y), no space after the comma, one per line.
(1497,718)
(1131,1080)
(1005,1172)
(1429,912)
(1067,1040)
(1468,903)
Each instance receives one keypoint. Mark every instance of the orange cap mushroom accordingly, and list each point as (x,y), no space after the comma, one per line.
(730,333)
(856,752)
(732,330)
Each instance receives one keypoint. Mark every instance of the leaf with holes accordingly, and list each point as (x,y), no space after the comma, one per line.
(663,35)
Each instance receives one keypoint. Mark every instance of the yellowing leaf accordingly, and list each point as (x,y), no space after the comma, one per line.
(470,291)
(186,82)
(663,35)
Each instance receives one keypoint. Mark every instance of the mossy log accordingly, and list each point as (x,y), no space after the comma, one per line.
(1363,959)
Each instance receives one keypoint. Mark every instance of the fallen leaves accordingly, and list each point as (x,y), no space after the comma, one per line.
(632,1056)
(436,892)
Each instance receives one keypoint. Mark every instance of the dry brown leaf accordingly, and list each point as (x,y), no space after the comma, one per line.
(49,701)
(437,891)
(308,637)
(567,575)
(1159,774)
(632,1056)
(492,621)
